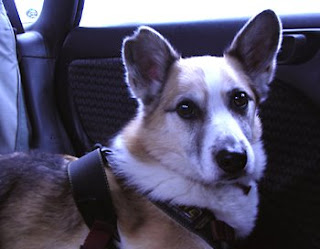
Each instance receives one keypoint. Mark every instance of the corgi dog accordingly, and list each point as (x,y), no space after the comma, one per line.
(195,142)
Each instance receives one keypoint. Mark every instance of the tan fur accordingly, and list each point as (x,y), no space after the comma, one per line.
(238,74)
(132,134)
(181,81)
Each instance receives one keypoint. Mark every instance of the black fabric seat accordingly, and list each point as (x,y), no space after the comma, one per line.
(101,101)
(290,189)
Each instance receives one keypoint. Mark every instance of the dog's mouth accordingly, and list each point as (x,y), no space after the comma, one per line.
(241,181)
(245,188)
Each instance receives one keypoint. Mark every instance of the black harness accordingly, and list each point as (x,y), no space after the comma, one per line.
(91,193)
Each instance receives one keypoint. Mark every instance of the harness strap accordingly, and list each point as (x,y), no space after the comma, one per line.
(92,196)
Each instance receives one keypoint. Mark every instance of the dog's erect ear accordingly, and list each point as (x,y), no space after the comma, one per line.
(256,47)
(147,56)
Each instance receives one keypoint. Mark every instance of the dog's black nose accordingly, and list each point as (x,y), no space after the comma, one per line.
(231,162)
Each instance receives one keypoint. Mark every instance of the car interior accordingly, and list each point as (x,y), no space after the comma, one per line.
(75,98)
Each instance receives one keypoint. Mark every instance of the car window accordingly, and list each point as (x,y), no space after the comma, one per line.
(29,10)
(97,13)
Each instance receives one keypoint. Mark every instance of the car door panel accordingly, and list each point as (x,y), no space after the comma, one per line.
(300,61)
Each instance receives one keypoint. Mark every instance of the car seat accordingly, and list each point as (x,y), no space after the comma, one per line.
(14,132)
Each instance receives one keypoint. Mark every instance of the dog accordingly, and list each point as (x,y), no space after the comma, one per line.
(195,141)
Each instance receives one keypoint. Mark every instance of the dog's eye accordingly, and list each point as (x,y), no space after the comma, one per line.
(240,100)
(187,110)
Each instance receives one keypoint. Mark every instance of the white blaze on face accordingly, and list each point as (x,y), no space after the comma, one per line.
(226,129)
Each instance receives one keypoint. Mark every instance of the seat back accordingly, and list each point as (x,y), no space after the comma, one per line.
(14,132)
(290,190)
(100,104)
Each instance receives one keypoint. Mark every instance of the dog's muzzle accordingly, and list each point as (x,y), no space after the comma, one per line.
(233,165)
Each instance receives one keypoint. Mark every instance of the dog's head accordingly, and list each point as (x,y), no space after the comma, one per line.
(198,116)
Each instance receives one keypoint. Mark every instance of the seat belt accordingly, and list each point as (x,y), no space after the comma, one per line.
(13,15)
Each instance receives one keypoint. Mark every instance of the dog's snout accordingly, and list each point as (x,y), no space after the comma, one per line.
(231,162)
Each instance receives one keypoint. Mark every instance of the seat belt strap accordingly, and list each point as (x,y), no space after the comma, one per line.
(91,193)
(13,15)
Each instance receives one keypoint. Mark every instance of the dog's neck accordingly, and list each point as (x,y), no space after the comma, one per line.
(143,225)
(160,184)
(137,212)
